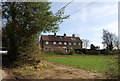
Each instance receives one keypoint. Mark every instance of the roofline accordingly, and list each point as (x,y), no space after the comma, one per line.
(57,35)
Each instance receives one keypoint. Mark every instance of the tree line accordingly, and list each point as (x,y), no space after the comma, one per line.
(110,41)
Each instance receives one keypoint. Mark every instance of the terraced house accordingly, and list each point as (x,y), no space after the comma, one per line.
(52,43)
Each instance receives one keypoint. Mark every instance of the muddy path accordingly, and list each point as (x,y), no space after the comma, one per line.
(55,71)
(59,71)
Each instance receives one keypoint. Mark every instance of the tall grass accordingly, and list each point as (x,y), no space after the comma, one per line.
(112,70)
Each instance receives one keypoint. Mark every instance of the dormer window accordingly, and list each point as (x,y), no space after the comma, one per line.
(73,39)
(54,42)
(78,43)
(65,43)
(60,37)
(46,42)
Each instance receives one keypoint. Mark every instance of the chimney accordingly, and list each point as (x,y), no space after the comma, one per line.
(64,35)
(54,34)
(73,35)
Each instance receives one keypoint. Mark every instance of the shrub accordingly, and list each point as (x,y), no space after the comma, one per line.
(85,51)
(115,52)
(95,52)
(78,51)
(88,51)
(106,52)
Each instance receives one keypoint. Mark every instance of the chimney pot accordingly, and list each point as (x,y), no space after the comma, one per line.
(73,35)
(64,34)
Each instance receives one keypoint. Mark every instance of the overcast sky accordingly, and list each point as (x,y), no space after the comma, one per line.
(89,22)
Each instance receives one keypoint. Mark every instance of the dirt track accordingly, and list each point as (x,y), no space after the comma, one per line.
(53,71)
(56,71)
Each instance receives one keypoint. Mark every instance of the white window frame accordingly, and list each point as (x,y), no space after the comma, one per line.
(65,43)
(46,42)
(54,43)
(78,43)
(70,43)
(60,43)
(74,43)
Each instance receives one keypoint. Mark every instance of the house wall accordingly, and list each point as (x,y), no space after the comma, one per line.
(54,47)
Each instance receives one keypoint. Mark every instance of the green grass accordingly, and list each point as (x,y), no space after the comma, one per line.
(98,64)
(55,55)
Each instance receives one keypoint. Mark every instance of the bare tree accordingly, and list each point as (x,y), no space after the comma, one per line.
(85,43)
(108,39)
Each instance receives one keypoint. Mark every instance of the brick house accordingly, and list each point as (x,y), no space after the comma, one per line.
(51,43)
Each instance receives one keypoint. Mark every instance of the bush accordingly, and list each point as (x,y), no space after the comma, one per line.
(115,52)
(91,52)
(106,52)
(78,51)
(97,52)
(87,51)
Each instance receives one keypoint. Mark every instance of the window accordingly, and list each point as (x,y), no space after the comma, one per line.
(46,42)
(74,43)
(65,43)
(60,43)
(60,37)
(78,43)
(70,43)
(73,39)
(54,42)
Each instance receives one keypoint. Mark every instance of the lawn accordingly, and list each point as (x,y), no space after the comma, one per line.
(97,64)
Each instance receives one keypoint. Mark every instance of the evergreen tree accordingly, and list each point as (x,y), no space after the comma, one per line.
(92,47)
(24,21)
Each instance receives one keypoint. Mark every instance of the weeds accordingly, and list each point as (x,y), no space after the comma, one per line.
(112,69)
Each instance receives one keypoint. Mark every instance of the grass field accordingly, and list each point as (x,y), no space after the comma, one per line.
(97,64)
(55,55)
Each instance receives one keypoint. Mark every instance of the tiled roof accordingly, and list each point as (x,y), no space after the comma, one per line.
(60,38)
